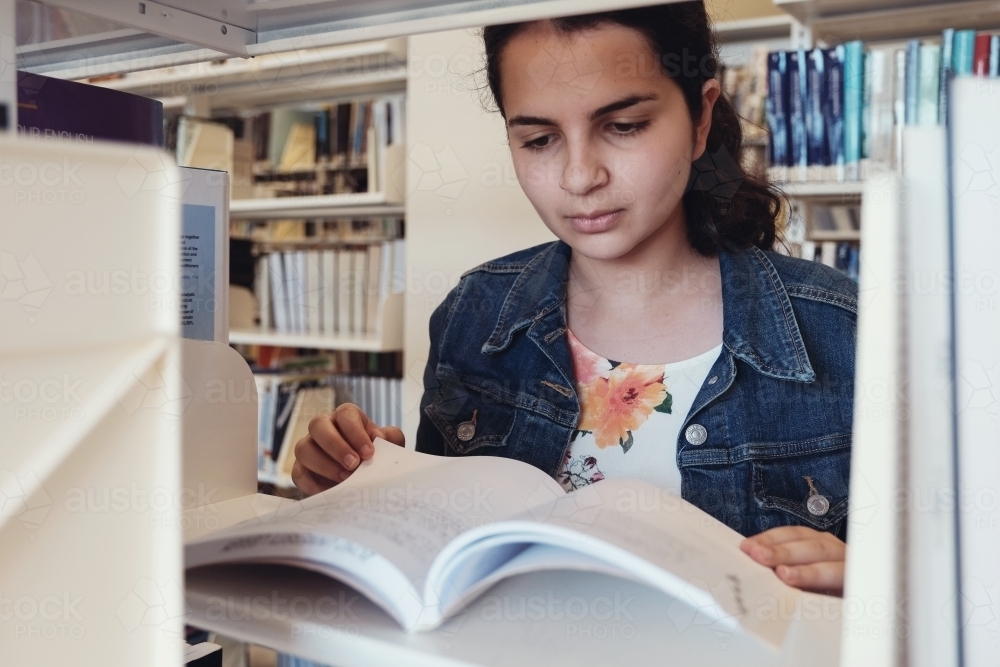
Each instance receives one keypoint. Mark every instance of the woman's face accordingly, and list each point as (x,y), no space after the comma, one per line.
(602,140)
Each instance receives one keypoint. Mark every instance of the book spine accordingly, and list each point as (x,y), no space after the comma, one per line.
(963,52)
(777,108)
(912,80)
(981,55)
(881,116)
(797,112)
(816,103)
(947,57)
(994,55)
(853,102)
(321,126)
(866,107)
(329,292)
(834,110)
(927,108)
(899,106)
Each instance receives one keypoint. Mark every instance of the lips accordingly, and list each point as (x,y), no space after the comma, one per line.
(596,222)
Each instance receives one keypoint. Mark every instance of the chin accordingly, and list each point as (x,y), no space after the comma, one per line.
(606,246)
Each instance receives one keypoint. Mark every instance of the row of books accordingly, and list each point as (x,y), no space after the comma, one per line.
(833,111)
(296,138)
(344,230)
(288,401)
(333,291)
(844,256)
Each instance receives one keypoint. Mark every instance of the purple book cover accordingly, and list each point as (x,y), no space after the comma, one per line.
(82,112)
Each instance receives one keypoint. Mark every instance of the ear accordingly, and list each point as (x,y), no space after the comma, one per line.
(709,94)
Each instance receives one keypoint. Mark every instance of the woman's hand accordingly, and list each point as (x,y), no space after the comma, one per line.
(336,445)
(801,557)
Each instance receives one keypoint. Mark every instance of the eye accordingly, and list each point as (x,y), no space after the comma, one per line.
(626,129)
(539,144)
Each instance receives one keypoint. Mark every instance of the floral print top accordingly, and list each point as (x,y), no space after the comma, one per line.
(630,417)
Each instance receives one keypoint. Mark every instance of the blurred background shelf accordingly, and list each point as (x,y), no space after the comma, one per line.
(361,204)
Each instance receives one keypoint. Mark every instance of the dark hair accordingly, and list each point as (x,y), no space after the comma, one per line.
(726,208)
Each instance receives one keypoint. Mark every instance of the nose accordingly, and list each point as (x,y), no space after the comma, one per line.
(584,170)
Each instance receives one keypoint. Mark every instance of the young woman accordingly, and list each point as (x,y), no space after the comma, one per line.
(660,337)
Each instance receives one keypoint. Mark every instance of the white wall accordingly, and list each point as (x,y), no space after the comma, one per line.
(463,203)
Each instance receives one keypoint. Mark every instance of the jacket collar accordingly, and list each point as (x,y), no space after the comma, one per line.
(759,325)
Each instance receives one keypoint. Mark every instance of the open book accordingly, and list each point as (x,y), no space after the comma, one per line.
(423,535)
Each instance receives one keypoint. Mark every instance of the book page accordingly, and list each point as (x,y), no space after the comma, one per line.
(400,507)
(635,530)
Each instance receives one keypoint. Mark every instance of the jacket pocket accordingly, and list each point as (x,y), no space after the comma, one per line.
(458,405)
(782,484)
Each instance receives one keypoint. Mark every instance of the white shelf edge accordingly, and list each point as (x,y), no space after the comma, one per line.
(834,235)
(822,189)
(371,343)
(314,206)
(890,20)
(761,28)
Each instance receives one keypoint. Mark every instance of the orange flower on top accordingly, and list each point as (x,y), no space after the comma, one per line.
(612,408)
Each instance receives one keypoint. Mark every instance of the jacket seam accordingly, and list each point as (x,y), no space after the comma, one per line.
(819,294)
(772,272)
(537,405)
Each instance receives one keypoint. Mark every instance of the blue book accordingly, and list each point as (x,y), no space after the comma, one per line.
(947,57)
(777,108)
(797,108)
(816,103)
(854,85)
(995,55)
(835,106)
(963,51)
(912,80)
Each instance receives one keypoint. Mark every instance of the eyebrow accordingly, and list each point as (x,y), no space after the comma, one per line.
(618,105)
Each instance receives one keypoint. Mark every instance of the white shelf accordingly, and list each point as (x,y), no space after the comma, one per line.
(351,343)
(879,20)
(361,204)
(263,70)
(274,26)
(823,189)
(748,30)
(835,235)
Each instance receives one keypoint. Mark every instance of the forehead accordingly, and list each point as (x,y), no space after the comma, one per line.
(542,64)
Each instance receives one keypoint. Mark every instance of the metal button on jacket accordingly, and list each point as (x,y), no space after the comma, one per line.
(696,434)
(713,379)
(817,505)
(466,430)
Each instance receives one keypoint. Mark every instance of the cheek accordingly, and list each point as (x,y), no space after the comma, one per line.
(539,178)
(659,170)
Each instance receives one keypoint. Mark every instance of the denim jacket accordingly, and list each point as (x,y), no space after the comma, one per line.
(776,407)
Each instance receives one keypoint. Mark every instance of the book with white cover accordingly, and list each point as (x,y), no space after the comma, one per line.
(329,292)
(345,270)
(422,535)
(314,292)
(973,109)
(358,298)
(204,306)
(372,287)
